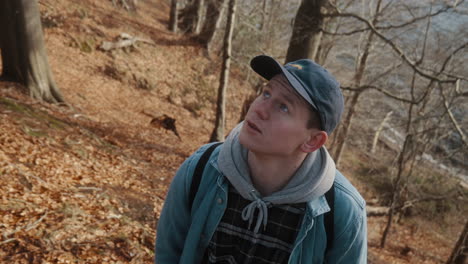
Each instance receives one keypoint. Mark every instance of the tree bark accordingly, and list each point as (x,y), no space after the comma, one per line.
(346,125)
(401,167)
(460,251)
(361,67)
(24,56)
(212,24)
(306,35)
(379,130)
(187,16)
(192,16)
(264,15)
(199,16)
(396,190)
(376,210)
(218,131)
(267,39)
(173,17)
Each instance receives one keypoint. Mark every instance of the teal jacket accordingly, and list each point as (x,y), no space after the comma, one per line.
(183,234)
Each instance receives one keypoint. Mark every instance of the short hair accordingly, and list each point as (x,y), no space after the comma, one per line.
(314,119)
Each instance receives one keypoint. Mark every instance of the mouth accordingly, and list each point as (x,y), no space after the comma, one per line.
(253,127)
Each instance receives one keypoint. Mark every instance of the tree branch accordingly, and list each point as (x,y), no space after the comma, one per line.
(385,92)
(404,24)
(397,49)
(26,228)
(452,118)
(411,203)
(407,23)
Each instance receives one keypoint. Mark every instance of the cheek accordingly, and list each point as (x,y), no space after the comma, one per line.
(242,136)
(289,130)
(253,105)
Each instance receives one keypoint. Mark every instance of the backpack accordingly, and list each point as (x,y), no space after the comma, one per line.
(329,195)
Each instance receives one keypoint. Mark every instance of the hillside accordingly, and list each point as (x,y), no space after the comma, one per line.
(85,182)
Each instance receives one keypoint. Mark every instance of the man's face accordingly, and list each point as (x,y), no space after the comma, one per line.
(276,123)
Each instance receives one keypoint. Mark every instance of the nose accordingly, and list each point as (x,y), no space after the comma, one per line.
(261,109)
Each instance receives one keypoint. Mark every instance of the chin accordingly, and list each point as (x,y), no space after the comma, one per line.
(250,143)
(243,138)
(247,141)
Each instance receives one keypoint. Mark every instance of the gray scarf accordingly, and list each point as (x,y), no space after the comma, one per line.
(314,177)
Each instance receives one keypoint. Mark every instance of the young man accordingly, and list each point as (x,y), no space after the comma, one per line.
(261,197)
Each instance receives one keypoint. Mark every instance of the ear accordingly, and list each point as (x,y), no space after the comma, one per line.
(316,140)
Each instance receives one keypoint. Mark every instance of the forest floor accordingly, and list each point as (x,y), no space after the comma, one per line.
(85,182)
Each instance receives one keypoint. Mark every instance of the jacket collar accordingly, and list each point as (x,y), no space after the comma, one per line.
(317,206)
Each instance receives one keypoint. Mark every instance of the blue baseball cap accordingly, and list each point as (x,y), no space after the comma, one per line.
(313,82)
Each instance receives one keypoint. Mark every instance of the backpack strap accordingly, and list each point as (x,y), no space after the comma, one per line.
(329,217)
(198,172)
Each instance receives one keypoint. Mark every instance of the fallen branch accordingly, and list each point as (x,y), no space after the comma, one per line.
(125,4)
(413,202)
(26,228)
(124,40)
(379,130)
(377,210)
(86,188)
(383,210)
(33,225)
(30,175)
(8,241)
(452,117)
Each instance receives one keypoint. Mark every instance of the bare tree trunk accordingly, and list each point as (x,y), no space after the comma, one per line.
(267,39)
(346,124)
(306,35)
(453,120)
(379,130)
(199,16)
(460,251)
(315,47)
(188,16)
(340,144)
(218,131)
(396,189)
(24,56)
(362,63)
(212,23)
(249,100)
(408,149)
(192,16)
(401,167)
(173,17)
(264,15)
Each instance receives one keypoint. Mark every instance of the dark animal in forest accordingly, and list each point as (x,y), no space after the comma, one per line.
(163,121)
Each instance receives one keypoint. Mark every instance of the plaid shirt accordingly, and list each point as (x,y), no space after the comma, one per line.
(234,242)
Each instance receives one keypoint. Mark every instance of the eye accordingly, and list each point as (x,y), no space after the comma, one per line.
(266,94)
(284,108)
